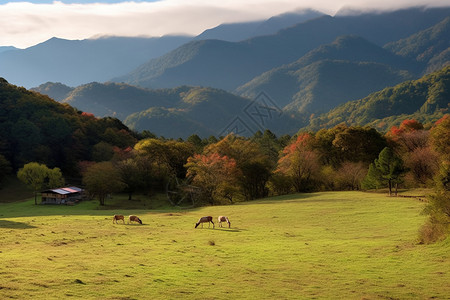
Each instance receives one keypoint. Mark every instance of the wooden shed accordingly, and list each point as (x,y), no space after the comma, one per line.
(66,195)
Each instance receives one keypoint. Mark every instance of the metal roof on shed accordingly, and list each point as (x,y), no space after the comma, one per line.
(66,190)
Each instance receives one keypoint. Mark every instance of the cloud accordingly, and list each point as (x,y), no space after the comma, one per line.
(23,24)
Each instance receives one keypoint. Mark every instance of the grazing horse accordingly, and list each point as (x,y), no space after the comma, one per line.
(117,218)
(134,219)
(223,219)
(202,220)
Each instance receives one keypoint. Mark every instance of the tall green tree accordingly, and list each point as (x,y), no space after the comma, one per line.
(387,169)
(38,176)
(132,174)
(169,155)
(55,178)
(102,179)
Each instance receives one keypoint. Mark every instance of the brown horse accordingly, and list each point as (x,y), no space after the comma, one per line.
(117,218)
(223,219)
(134,219)
(202,220)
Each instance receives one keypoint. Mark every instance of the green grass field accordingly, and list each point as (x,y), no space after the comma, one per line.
(334,245)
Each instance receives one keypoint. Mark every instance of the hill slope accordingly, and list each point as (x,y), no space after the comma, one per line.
(425,100)
(34,127)
(347,69)
(429,47)
(178,112)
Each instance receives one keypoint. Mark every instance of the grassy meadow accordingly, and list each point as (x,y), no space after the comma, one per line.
(333,245)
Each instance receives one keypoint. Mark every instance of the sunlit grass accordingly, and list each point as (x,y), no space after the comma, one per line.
(342,245)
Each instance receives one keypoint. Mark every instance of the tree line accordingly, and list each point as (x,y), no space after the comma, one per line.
(107,157)
(234,167)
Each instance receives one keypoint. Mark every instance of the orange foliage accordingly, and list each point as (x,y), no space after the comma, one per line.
(211,165)
(444,118)
(86,114)
(405,126)
(301,142)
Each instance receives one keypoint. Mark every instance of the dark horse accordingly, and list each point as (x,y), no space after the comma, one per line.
(202,220)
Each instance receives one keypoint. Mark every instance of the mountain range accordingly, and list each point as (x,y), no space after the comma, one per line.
(347,69)
(235,32)
(281,81)
(76,62)
(228,65)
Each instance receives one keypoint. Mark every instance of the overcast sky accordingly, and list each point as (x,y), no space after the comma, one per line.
(27,22)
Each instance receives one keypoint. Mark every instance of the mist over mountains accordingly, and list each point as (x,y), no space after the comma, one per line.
(279,74)
(228,65)
(76,62)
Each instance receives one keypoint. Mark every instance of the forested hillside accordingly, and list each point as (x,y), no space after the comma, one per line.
(183,111)
(173,113)
(430,47)
(347,69)
(425,100)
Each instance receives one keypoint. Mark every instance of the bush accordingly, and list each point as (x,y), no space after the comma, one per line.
(435,229)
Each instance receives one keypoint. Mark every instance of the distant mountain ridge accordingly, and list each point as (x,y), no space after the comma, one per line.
(235,32)
(430,47)
(74,62)
(347,69)
(228,65)
(7,48)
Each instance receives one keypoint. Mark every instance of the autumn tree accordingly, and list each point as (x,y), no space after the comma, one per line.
(102,179)
(212,173)
(411,142)
(422,164)
(350,175)
(300,164)
(438,209)
(254,165)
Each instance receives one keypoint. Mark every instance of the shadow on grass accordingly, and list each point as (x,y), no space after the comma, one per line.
(221,229)
(230,230)
(15,225)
